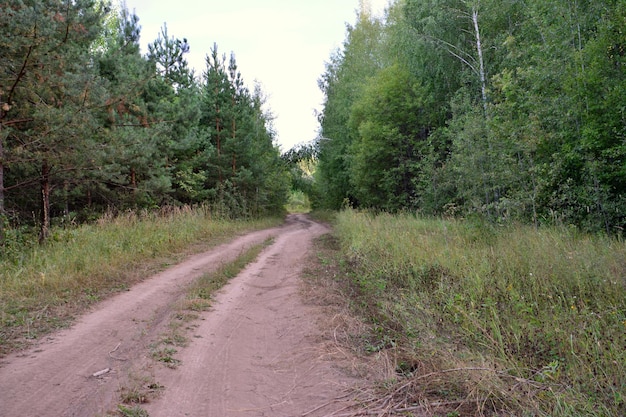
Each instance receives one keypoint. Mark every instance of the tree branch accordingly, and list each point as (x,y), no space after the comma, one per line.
(22,70)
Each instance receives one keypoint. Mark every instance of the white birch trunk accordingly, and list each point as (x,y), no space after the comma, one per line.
(481,61)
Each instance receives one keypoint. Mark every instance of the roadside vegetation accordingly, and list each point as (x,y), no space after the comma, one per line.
(487,319)
(43,286)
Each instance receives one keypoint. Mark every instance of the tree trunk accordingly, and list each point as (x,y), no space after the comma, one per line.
(218,127)
(234,136)
(45,202)
(2,211)
(483,92)
(133,179)
(481,62)
(133,184)
(218,130)
(66,197)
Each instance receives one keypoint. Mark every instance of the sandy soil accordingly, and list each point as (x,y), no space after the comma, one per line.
(257,352)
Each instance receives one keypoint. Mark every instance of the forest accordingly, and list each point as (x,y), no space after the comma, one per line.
(505,110)
(89,124)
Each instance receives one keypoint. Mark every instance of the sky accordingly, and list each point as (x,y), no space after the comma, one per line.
(281,44)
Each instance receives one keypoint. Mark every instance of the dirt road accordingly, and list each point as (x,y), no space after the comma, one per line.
(257,352)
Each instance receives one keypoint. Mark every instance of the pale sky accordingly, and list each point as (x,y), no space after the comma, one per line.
(282,44)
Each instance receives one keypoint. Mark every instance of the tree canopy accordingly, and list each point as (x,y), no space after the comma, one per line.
(503,109)
(88,123)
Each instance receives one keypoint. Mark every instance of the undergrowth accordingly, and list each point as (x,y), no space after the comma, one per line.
(501,319)
(324,216)
(298,202)
(42,287)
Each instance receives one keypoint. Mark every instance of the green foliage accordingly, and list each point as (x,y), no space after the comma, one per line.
(298,202)
(509,110)
(135,411)
(546,306)
(245,172)
(301,161)
(342,83)
(48,87)
(393,126)
(96,126)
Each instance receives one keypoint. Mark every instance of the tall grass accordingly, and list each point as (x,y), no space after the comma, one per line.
(544,307)
(41,286)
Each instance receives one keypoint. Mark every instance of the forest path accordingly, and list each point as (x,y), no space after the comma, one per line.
(257,352)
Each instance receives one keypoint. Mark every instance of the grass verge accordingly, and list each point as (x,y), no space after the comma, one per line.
(43,287)
(489,320)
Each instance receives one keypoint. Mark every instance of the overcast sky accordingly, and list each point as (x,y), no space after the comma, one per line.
(282,44)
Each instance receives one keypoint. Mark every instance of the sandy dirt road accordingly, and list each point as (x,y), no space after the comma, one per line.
(257,352)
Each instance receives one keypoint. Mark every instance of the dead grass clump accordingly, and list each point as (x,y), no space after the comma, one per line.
(140,389)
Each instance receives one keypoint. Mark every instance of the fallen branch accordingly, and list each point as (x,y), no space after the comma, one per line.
(114,357)
(338,399)
(102,372)
(381,411)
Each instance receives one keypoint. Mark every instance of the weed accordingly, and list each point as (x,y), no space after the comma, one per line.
(176,339)
(165,355)
(197,304)
(185,316)
(140,390)
(135,411)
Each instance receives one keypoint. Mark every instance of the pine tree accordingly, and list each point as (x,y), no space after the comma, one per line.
(51,87)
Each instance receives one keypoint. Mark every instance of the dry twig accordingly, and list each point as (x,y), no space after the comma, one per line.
(114,350)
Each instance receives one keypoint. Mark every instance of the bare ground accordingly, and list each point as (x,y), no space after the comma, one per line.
(259,351)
